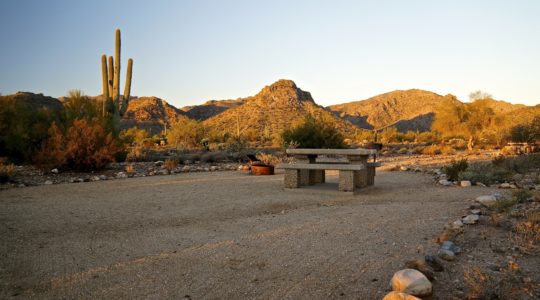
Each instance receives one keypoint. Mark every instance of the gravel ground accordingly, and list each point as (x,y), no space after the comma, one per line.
(219,235)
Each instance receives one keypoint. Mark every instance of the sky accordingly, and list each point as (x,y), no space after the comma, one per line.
(188,52)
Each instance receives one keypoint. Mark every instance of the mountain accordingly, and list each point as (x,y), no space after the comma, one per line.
(273,109)
(406,109)
(210,108)
(150,113)
(37,100)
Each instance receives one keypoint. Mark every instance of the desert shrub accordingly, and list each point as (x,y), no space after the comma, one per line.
(186,134)
(208,157)
(455,167)
(486,173)
(504,205)
(522,195)
(130,168)
(137,153)
(271,159)
(84,146)
(134,136)
(314,133)
(236,144)
(431,150)
(6,172)
(22,128)
(170,164)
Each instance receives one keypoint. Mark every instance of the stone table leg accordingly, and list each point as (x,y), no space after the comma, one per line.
(347,179)
(292,178)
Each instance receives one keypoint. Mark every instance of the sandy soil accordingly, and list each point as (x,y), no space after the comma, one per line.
(217,235)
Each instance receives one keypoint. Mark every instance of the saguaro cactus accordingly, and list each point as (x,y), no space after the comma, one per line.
(111,79)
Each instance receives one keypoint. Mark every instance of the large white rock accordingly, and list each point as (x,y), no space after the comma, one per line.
(412,282)
(486,200)
(399,296)
(445,182)
(470,219)
(465,183)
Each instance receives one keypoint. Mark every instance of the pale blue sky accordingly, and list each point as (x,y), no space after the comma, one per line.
(188,52)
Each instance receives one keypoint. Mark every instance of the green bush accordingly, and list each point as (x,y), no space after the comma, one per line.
(314,133)
(452,171)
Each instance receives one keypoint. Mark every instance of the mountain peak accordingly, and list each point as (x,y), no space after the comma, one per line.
(283,91)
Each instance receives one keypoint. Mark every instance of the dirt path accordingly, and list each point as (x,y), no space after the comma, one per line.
(216,235)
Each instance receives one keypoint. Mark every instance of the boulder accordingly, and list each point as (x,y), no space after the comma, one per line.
(403,168)
(48,182)
(420,265)
(446,254)
(121,175)
(399,296)
(505,185)
(470,219)
(465,183)
(449,245)
(412,282)
(445,182)
(434,262)
(487,200)
(54,171)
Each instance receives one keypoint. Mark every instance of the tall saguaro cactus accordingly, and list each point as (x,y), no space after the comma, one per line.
(111,79)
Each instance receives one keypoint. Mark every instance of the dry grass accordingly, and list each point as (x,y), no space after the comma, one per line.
(6,172)
(170,164)
(438,149)
(526,232)
(504,285)
(130,168)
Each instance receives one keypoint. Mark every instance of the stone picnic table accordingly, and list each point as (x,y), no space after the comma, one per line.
(309,169)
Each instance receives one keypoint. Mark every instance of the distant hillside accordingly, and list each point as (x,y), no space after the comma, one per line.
(150,113)
(210,108)
(272,110)
(407,110)
(37,100)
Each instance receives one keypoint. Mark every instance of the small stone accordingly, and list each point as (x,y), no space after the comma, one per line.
(456,224)
(412,282)
(163,172)
(449,245)
(487,200)
(207,169)
(54,171)
(470,219)
(434,262)
(48,182)
(445,182)
(446,254)
(513,186)
(403,168)
(103,177)
(96,178)
(80,180)
(399,296)
(159,163)
(465,183)
(420,265)
(185,169)
(213,168)
(505,185)
(21,185)
(480,184)
(476,211)
(187,162)
(86,180)
(121,175)
(72,180)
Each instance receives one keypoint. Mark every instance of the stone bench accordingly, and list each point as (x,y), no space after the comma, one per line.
(351,176)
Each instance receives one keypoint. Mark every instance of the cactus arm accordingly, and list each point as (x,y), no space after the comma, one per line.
(116,82)
(105,83)
(127,87)
(111,75)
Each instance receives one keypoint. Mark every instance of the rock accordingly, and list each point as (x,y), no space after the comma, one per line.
(513,186)
(465,183)
(206,169)
(476,211)
(79,179)
(403,168)
(103,177)
(487,200)
(399,296)
(480,184)
(470,219)
(159,163)
(445,182)
(72,180)
(412,282)
(186,169)
(48,182)
(446,254)
(21,185)
(121,175)
(420,265)
(505,185)
(213,168)
(86,180)
(163,172)
(54,171)
(449,245)
(456,224)
(434,262)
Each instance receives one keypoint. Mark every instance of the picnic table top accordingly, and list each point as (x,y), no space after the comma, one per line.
(359,151)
